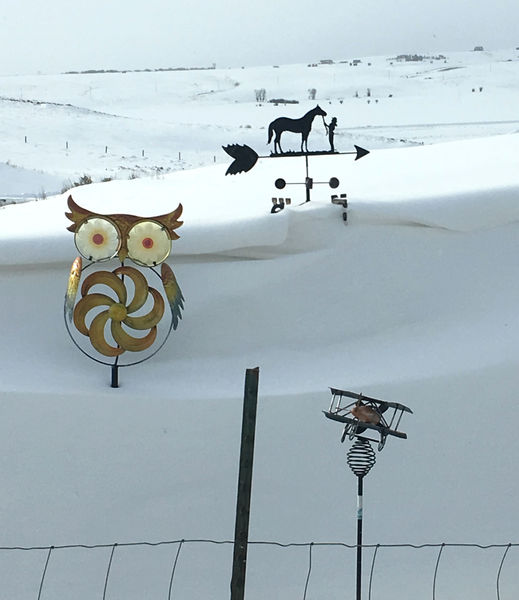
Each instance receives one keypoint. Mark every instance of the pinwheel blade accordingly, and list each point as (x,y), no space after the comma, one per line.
(97,336)
(140,285)
(130,343)
(152,318)
(105,278)
(85,305)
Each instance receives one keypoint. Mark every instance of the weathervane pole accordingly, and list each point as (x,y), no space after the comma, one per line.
(308,181)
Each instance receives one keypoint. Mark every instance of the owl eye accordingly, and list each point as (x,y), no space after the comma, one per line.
(97,239)
(149,243)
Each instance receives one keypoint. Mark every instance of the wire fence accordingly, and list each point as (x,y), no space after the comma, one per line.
(305,572)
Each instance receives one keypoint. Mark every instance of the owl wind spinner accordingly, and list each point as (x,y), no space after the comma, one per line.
(118,311)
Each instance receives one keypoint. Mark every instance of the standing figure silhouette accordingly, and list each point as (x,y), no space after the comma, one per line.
(330,129)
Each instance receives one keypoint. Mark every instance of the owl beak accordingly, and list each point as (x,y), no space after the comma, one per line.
(122,255)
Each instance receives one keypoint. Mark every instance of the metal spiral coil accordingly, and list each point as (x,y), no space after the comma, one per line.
(361,457)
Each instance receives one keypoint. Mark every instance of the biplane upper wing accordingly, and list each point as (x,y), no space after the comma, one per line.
(399,407)
(356,396)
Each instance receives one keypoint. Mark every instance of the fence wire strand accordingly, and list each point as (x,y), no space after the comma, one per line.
(436,571)
(499,571)
(371,570)
(180,543)
(174,568)
(309,569)
(45,571)
(253,543)
(108,570)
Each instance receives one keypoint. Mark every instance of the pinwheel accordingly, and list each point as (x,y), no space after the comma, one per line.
(118,312)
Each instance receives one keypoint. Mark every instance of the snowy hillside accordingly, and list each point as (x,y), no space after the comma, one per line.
(147,123)
(413,300)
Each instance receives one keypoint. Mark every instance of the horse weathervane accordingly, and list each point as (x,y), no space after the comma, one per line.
(302,126)
(245,157)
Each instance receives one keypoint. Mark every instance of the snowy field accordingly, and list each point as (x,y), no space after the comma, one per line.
(413,300)
(121,125)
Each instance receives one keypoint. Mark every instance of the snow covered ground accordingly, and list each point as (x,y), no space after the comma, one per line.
(413,300)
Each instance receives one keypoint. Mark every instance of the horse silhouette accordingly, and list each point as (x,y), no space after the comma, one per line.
(302,126)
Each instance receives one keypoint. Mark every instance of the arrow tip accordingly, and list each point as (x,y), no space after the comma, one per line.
(360,152)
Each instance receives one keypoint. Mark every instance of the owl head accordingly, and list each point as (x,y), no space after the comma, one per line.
(146,241)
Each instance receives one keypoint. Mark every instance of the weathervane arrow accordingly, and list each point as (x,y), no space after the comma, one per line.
(245,157)
(360,152)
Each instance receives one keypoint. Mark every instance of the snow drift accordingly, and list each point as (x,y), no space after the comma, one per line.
(413,300)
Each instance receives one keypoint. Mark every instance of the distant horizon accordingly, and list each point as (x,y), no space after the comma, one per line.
(59,36)
(214,65)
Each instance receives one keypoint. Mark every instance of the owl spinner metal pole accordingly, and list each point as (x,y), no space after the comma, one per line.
(112,317)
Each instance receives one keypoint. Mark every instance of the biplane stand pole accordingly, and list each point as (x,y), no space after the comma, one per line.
(360,486)
(360,459)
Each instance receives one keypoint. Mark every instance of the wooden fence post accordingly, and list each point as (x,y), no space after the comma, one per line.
(241,533)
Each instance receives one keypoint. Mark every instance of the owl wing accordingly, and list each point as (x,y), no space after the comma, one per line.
(72,287)
(173,293)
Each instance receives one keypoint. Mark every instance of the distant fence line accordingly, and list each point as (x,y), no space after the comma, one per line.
(106,148)
(181,543)
(179,156)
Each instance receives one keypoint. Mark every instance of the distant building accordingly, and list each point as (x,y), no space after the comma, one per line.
(410,57)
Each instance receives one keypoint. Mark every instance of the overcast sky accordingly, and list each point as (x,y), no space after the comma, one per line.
(52,36)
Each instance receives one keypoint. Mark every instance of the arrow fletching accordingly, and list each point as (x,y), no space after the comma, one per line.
(244,158)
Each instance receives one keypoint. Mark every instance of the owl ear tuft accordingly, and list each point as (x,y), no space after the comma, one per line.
(171,222)
(77,214)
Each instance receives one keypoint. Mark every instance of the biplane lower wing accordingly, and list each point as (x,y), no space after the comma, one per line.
(383,430)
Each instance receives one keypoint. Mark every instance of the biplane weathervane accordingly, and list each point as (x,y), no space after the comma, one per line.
(362,414)
(245,157)
(366,413)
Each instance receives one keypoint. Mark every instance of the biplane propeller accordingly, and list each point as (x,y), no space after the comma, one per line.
(366,413)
